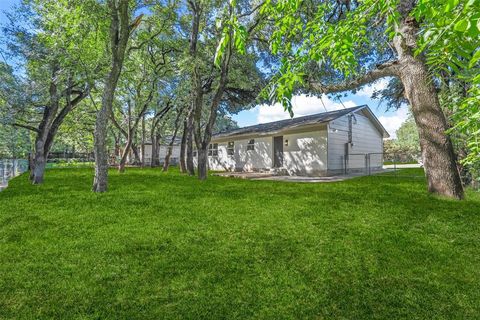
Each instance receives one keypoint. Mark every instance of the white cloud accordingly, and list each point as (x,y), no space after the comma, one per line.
(393,122)
(368,90)
(302,105)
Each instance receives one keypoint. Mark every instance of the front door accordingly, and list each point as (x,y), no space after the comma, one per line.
(278,152)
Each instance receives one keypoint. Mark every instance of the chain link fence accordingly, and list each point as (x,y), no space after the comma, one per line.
(10,168)
(382,164)
(70,159)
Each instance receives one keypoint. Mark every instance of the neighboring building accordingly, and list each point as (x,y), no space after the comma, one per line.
(320,144)
(162,151)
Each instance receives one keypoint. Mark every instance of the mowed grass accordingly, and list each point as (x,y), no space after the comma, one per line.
(167,246)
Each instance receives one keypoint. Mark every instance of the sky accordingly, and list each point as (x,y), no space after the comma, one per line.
(304,105)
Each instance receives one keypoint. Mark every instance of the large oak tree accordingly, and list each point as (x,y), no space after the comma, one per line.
(355,43)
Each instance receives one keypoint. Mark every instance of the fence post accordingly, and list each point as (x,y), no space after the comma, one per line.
(369,167)
(366,164)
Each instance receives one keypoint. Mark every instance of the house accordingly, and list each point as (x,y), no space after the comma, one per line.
(162,150)
(320,144)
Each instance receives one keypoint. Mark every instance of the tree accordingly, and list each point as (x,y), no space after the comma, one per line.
(358,43)
(121,29)
(230,37)
(406,147)
(144,71)
(176,126)
(56,67)
(407,136)
(162,109)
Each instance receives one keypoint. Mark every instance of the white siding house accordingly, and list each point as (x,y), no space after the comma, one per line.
(319,144)
(162,151)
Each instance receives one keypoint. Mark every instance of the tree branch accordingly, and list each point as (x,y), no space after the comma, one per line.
(388,69)
(26,126)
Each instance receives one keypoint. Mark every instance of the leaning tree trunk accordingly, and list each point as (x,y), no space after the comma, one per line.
(437,149)
(136,154)
(123,160)
(166,162)
(183,146)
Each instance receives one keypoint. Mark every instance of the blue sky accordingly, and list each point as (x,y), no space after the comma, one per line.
(302,105)
(5,5)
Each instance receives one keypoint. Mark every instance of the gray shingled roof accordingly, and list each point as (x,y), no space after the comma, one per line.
(270,127)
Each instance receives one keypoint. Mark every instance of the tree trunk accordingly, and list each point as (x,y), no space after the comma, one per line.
(30,165)
(197,89)
(126,151)
(39,162)
(190,164)
(166,163)
(142,146)
(100,180)
(202,163)
(120,30)
(437,149)
(136,154)
(155,150)
(183,146)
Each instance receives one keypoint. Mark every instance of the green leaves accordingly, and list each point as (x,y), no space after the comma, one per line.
(240,36)
(231,29)
(451,45)
(222,46)
(475,59)
(462,25)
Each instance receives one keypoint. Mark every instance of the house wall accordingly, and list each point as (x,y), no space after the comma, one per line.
(148,152)
(306,154)
(162,152)
(243,159)
(366,138)
(174,158)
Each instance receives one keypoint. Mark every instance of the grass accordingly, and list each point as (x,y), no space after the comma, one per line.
(385,163)
(166,246)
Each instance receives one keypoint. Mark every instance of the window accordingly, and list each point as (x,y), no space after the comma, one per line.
(231,148)
(251,144)
(213,150)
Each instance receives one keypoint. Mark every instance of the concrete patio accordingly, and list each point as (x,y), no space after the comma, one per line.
(272,177)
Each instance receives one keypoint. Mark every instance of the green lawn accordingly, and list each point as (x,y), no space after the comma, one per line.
(166,246)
